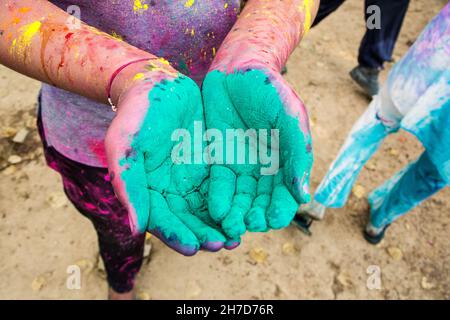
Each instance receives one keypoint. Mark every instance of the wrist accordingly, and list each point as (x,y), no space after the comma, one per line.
(150,69)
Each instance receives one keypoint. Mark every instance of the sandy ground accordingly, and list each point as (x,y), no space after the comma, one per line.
(41,234)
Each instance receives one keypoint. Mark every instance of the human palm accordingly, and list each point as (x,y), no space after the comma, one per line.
(163,197)
(249,196)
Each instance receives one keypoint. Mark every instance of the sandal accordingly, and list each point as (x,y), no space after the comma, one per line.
(303,223)
(375,239)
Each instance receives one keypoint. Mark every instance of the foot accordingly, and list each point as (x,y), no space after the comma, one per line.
(303,222)
(113,295)
(374,235)
(367,79)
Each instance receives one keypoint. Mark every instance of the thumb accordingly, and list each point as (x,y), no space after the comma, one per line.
(295,144)
(126,168)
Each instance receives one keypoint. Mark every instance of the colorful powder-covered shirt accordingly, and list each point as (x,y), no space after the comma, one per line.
(187,33)
(419,86)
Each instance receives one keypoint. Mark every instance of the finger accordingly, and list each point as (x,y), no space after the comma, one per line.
(222,186)
(232,244)
(282,207)
(220,115)
(255,219)
(169,228)
(233,224)
(215,245)
(199,208)
(208,237)
(197,203)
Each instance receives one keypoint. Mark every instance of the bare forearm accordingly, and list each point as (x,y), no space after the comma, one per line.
(37,40)
(266,33)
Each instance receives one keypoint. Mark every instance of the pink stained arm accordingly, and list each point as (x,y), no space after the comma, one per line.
(38,39)
(265,34)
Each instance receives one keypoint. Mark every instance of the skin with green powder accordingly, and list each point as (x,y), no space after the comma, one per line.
(240,197)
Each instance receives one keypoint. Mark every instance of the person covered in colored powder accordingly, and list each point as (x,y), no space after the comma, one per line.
(416,98)
(147,59)
(378,42)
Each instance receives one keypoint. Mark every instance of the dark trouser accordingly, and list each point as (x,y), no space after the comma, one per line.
(378,44)
(90,191)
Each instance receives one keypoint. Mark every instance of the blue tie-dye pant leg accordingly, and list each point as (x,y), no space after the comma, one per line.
(405,190)
(416,98)
(378,121)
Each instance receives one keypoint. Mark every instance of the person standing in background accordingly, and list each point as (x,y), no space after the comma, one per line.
(415,98)
(377,44)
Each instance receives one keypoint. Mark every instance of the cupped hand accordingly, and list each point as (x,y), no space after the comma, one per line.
(256,196)
(163,197)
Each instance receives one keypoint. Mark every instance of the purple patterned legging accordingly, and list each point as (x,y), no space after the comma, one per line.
(90,191)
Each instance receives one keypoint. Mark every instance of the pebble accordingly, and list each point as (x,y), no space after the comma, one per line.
(393,152)
(101,268)
(359,191)
(14,159)
(371,165)
(427,285)
(85,264)
(344,279)
(142,295)
(38,283)
(288,248)
(395,253)
(9,132)
(147,247)
(21,136)
(258,255)
(57,200)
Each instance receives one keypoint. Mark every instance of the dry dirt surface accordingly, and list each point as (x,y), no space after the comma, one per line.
(42,235)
